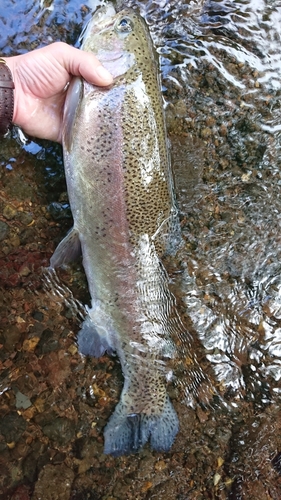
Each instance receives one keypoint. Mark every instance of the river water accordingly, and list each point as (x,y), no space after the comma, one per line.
(221,79)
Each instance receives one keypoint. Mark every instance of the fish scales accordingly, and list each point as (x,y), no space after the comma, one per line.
(120,191)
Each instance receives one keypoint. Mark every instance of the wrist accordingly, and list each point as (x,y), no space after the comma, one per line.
(6,97)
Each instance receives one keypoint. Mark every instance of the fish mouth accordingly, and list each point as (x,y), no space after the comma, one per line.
(103,13)
(101,20)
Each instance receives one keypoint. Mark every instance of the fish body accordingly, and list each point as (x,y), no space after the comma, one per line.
(121,196)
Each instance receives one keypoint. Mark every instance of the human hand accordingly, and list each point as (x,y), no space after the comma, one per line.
(40,79)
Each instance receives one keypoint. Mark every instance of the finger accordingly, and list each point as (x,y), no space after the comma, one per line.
(80,63)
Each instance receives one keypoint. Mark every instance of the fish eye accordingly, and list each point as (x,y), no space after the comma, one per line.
(125,25)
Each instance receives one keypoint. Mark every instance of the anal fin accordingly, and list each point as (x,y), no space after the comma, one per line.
(90,342)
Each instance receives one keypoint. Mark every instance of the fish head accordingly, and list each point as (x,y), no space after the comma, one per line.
(120,40)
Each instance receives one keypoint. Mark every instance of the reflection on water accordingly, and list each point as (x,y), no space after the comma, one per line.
(30,24)
(221,74)
(232,287)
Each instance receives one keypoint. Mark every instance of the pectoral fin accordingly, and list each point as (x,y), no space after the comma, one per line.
(68,250)
(70,109)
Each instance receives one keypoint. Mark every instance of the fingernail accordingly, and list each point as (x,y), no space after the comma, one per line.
(104,75)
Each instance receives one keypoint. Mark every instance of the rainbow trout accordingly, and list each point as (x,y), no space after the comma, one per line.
(121,196)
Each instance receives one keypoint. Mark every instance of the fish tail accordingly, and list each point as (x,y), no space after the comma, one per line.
(125,434)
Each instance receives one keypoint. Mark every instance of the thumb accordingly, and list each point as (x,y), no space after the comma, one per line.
(80,63)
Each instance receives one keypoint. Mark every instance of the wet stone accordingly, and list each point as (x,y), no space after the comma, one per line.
(12,427)
(24,271)
(58,458)
(9,212)
(164,491)
(47,342)
(26,235)
(22,401)
(61,430)
(54,483)
(25,218)
(22,492)
(14,240)
(35,461)
(206,132)
(4,230)
(121,490)
(59,210)
(180,109)
(11,335)
(3,445)
(38,315)
(4,475)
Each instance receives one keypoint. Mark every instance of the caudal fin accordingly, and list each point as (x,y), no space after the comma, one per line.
(125,434)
